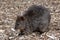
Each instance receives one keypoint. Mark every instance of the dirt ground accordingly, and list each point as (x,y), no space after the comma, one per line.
(9,9)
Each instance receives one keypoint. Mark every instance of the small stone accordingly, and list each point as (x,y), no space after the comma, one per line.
(2,31)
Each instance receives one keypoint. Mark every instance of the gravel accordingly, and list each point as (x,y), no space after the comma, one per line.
(9,9)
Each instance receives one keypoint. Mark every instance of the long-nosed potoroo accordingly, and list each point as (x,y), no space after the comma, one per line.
(35,19)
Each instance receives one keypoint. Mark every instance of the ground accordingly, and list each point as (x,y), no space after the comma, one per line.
(9,9)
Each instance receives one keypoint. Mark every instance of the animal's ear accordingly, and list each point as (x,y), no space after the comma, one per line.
(20,18)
